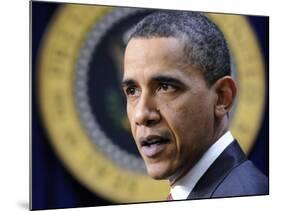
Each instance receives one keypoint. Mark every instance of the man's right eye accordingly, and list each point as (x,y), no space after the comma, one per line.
(131,91)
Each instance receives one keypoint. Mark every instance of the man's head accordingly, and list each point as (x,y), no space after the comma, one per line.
(178,88)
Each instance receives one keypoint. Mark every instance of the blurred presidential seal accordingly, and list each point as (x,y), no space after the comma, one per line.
(84,110)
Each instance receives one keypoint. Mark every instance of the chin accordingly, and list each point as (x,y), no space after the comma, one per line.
(157,174)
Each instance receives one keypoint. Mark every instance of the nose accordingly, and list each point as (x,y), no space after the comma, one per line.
(146,112)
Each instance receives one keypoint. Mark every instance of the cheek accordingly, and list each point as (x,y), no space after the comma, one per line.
(190,119)
(130,112)
(190,125)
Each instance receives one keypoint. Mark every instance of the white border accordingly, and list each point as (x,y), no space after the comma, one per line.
(255,7)
(14,107)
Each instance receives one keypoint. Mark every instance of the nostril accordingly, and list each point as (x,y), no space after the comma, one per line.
(150,119)
(151,122)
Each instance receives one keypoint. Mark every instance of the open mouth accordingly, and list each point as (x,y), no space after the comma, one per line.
(155,140)
(152,145)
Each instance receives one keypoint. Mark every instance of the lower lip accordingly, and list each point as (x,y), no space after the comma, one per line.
(153,150)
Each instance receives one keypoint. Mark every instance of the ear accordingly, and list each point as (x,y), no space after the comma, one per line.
(225,90)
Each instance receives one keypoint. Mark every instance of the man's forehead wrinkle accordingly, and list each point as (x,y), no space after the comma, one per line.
(143,60)
(168,45)
(148,76)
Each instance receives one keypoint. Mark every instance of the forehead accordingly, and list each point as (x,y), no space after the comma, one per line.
(145,57)
(141,50)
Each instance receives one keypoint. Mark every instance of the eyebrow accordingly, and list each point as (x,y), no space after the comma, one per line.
(168,79)
(127,82)
(160,78)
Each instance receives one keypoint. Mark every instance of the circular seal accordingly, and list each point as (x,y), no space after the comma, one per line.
(80,69)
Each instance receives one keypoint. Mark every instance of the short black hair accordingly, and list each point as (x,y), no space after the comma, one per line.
(204,44)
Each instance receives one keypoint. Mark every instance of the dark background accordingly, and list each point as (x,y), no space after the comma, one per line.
(52,185)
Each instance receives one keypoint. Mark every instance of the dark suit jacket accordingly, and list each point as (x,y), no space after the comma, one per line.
(230,175)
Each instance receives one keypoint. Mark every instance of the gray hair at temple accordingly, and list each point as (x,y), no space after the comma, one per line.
(204,44)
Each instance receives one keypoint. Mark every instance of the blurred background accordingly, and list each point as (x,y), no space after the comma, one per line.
(53,185)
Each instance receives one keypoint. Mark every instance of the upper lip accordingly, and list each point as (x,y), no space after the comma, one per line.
(152,139)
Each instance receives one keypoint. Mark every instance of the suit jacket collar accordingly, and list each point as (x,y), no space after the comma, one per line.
(231,157)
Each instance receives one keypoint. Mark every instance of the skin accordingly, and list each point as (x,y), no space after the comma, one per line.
(170,100)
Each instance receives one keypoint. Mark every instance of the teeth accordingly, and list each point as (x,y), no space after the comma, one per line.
(155,141)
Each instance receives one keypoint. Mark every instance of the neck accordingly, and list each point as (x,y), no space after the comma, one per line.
(221,127)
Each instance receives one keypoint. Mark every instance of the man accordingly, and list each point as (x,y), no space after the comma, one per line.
(179,92)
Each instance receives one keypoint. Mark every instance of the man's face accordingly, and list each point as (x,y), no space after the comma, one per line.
(169,106)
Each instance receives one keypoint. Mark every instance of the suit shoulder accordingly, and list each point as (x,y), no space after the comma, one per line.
(243,180)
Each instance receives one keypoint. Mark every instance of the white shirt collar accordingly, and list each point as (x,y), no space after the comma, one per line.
(182,188)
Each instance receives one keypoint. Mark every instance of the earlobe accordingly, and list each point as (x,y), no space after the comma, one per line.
(225,89)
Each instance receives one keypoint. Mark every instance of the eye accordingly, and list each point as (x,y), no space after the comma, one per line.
(166,87)
(131,91)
